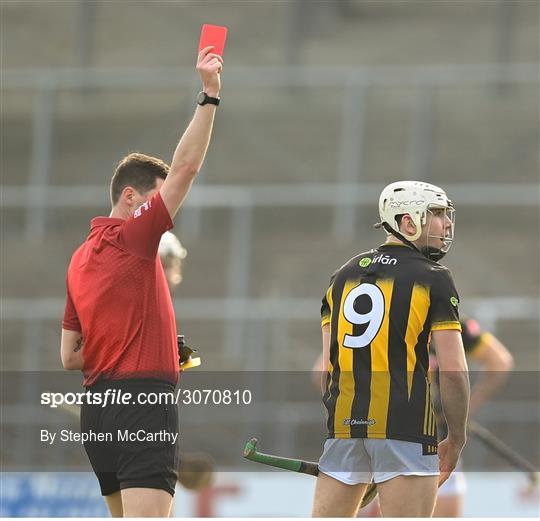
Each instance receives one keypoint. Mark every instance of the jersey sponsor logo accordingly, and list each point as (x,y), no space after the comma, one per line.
(454,301)
(144,207)
(357,421)
(384,259)
(377,259)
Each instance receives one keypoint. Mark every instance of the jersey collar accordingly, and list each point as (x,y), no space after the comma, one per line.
(104,221)
(394,244)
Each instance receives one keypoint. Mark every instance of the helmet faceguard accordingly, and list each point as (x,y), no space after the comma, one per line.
(447,238)
(416,199)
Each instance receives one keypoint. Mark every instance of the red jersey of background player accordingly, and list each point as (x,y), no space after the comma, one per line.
(118,298)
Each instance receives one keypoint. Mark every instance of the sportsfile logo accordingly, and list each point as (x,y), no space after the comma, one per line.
(377,259)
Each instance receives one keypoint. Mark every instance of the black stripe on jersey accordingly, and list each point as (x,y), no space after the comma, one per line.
(422,354)
(398,406)
(362,396)
(417,407)
(331,396)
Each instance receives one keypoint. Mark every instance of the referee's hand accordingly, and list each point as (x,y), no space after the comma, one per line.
(209,67)
(449,451)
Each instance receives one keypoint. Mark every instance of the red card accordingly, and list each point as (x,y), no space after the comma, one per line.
(215,35)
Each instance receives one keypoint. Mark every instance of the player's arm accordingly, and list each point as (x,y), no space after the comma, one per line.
(320,369)
(325,356)
(191,150)
(71,347)
(453,371)
(454,389)
(496,361)
(454,380)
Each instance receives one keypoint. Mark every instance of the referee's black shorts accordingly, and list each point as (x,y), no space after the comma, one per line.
(120,464)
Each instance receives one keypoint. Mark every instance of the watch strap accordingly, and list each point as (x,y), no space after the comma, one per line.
(204,99)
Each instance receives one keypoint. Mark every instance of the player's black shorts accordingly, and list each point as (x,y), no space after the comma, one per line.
(131,445)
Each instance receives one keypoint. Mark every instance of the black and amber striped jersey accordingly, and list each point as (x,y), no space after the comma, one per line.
(381,307)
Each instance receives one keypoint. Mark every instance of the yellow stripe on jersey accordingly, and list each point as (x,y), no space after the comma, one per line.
(431,420)
(437,326)
(415,324)
(434,429)
(346,377)
(380,374)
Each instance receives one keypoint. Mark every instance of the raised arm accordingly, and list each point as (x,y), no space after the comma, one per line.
(191,150)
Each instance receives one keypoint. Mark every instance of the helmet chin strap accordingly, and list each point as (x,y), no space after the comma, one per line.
(432,253)
(427,251)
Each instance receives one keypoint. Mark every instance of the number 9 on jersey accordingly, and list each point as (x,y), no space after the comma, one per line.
(373,318)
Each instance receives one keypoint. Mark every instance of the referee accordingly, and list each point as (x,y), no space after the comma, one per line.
(119,325)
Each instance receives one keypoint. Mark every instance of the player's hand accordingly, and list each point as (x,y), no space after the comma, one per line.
(209,67)
(449,452)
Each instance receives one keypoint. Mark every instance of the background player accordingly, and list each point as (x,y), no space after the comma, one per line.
(172,253)
(119,258)
(377,316)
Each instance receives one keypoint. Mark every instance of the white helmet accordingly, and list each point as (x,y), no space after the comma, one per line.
(170,245)
(414,198)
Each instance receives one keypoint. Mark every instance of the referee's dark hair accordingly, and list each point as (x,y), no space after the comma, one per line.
(138,171)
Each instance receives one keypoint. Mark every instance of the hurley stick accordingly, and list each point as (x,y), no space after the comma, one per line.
(295,465)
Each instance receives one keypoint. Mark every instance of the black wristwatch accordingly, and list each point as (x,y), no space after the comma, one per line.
(203,99)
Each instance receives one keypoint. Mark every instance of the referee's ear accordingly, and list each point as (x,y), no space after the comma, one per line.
(127,197)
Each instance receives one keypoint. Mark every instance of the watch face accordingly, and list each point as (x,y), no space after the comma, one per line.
(201,98)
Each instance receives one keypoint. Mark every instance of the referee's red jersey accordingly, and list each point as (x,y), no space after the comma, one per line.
(117,297)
